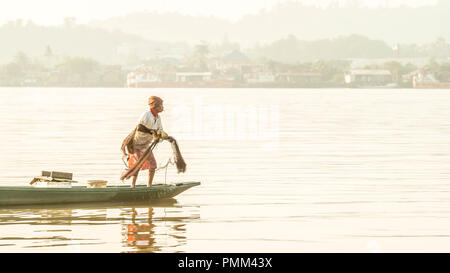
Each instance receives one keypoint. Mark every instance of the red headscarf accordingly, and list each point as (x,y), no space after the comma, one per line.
(154,102)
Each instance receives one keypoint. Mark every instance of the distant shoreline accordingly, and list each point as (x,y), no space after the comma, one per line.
(203,87)
(231,85)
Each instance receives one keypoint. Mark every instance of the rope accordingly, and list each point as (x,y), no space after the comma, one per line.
(165,167)
(167,164)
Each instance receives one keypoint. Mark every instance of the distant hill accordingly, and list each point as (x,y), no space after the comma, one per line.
(292,50)
(108,47)
(403,24)
(167,26)
(289,32)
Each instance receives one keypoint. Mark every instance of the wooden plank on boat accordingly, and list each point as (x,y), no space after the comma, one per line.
(50,179)
(60,175)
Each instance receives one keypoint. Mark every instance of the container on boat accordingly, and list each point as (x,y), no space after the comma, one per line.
(96,183)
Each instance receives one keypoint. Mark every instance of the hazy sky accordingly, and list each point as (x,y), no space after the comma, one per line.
(52,12)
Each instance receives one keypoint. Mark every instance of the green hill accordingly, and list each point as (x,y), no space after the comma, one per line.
(109,47)
(393,25)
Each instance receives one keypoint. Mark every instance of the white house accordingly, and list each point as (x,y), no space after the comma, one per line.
(368,77)
(142,75)
(260,78)
(193,76)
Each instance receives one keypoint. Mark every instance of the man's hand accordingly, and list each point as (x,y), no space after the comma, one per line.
(161,134)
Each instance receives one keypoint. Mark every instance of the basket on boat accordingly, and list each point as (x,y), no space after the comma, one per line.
(97,183)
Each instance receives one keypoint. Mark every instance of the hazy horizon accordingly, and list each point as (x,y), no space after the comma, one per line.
(53,12)
(283,31)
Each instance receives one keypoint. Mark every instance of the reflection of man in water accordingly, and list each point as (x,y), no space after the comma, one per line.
(140,235)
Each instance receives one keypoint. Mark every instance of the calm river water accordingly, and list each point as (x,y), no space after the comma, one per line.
(282,170)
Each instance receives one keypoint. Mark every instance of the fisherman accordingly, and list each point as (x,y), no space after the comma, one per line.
(149,127)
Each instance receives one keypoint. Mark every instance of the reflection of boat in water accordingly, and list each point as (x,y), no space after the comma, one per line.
(27,195)
(146,227)
(169,202)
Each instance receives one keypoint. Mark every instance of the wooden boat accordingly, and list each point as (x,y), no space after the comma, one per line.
(28,195)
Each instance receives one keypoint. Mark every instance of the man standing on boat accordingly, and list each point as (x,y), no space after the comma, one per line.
(149,125)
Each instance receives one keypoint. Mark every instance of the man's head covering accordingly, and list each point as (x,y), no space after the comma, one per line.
(154,101)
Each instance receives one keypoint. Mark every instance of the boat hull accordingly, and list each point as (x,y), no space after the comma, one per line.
(27,195)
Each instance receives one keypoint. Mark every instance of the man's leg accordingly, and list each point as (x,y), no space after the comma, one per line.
(133,183)
(151,174)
